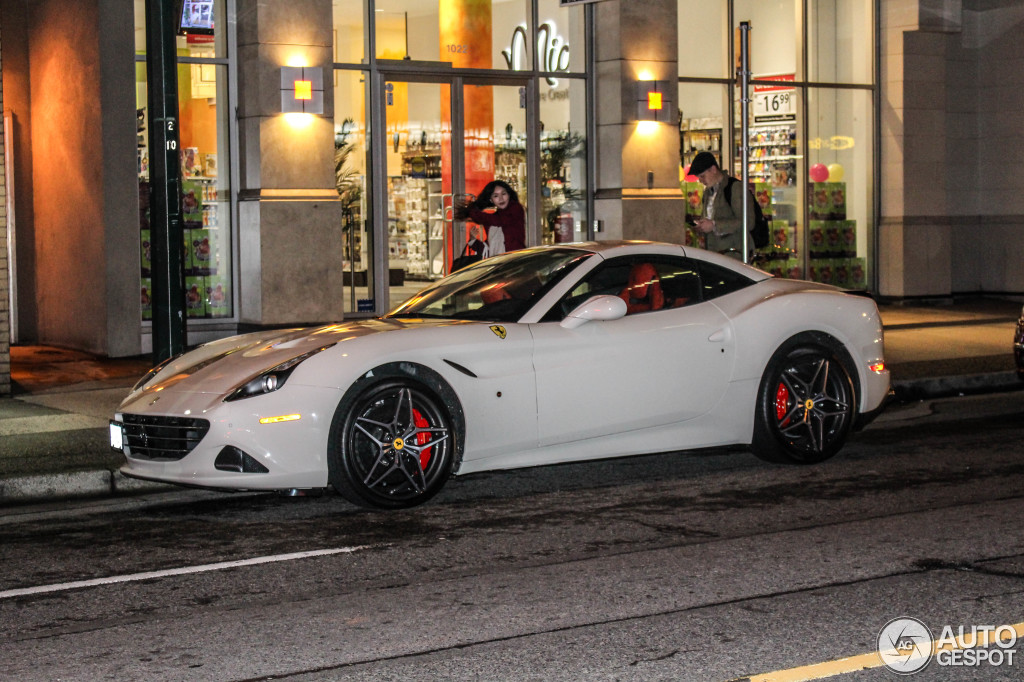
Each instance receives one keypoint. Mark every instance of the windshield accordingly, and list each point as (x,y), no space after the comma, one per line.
(498,289)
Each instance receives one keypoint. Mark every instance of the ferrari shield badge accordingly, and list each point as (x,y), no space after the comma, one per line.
(498,330)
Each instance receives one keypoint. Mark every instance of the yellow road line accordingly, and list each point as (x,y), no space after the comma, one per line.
(841,666)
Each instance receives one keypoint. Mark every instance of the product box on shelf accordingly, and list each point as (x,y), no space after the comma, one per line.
(218,296)
(847,273)
(693,191)
(783,236)
(858,273)
(147,298)
(832,238)
(763,194)
(195,297)
(827,201)
(204,257)
(186,251)
(191,203)
(146,252)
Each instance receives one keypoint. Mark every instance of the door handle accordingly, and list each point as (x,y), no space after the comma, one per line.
(719,336)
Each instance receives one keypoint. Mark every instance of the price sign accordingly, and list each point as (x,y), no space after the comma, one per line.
(778,105)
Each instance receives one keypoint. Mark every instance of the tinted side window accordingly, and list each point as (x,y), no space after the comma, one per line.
(645,283)
(718,281)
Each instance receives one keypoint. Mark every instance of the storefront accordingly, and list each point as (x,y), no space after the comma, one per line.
(811,135)
(346,209)
(464,92)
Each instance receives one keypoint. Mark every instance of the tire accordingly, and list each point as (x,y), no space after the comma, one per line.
(392,445)
(805,406)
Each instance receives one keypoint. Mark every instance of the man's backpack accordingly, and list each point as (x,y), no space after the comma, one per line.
(760,233)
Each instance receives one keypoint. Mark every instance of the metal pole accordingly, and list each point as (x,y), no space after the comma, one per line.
(745,128)
(165,182)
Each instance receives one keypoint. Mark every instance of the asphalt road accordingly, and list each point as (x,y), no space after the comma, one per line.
(698,566)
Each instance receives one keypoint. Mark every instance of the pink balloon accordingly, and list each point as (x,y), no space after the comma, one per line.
(687,176)
(819,172)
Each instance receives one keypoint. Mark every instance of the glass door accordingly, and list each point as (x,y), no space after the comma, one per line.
(418,184)
(444,140)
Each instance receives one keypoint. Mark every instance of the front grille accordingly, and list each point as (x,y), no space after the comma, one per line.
(162,438)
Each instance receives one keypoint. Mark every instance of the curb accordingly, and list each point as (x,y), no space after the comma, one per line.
(95,483)
(967,384)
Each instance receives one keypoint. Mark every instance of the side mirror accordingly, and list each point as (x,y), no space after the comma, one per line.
(597,308)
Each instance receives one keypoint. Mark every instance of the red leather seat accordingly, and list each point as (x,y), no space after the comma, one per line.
(643,291)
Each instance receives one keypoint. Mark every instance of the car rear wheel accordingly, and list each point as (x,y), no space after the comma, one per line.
(805,406)
(391,445)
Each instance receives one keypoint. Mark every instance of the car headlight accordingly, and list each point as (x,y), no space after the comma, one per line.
(272,379)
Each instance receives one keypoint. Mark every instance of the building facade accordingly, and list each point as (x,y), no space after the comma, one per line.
(324,143)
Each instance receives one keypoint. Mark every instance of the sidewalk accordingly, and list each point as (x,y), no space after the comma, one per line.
(53,431)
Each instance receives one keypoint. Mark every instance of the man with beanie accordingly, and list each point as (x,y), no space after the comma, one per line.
(721,218)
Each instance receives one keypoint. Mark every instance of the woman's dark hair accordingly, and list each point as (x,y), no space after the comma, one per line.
(483,200)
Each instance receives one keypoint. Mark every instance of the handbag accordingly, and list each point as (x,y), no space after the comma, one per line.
(466,259)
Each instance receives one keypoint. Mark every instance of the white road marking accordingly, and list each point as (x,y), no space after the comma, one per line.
(186,570)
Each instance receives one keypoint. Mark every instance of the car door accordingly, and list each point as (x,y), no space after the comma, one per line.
(649,368)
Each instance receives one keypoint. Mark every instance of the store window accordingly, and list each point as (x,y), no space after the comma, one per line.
(704,39)
(840,190)
(775,44)
(563,146)
(810,148)
(703,115)
(468,34)
(349,31)
(560,38)
(515,95)
(352,182)
(204,155)
(840,41)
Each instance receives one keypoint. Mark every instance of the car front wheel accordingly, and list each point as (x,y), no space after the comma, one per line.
(805,406)
(391,446)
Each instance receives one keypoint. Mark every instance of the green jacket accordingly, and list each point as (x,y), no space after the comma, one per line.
(728,216)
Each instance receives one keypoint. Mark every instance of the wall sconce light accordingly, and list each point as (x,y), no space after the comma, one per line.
(652,103)
(302,90)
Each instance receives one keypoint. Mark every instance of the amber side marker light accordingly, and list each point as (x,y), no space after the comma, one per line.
(282,418)
(877,367)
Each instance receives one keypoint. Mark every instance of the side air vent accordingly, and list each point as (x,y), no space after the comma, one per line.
(233,459)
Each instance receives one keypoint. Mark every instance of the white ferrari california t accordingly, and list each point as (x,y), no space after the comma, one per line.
(546,355)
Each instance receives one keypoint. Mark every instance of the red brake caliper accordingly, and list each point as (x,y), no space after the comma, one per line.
(422,438)
(781,404)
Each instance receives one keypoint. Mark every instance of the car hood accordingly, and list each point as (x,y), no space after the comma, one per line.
(222,365)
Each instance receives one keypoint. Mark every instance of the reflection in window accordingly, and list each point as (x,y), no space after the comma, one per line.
(499,289)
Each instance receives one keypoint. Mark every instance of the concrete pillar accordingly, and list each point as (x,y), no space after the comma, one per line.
(914,230)
(637,194)
(289,214)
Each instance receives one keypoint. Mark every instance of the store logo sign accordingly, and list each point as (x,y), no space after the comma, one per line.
(552,50)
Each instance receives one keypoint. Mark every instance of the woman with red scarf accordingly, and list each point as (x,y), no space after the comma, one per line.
(498,209)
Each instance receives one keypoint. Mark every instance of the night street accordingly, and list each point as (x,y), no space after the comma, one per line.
(701,566)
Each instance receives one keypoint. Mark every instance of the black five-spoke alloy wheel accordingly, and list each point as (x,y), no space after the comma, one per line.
(391,446)
(805,407)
